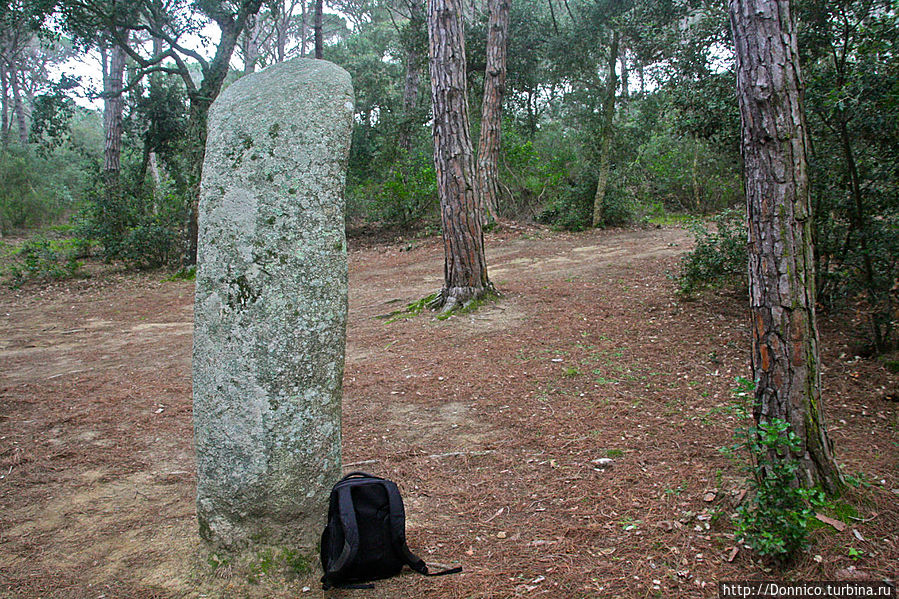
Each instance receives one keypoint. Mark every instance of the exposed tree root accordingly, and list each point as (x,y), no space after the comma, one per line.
(453,299)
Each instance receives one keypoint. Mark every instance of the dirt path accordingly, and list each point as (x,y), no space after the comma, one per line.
(490,423)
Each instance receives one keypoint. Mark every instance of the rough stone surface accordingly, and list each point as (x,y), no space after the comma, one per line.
(271,301)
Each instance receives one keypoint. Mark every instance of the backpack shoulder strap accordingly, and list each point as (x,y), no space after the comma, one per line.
(398,534)
(350,530)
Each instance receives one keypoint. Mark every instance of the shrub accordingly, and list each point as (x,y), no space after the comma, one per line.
(774,521)
(35,190)
(683,174)
(572,210)
(530,173)
(144,232)
(407,194)
(149,245)
(719,256)
(41,259)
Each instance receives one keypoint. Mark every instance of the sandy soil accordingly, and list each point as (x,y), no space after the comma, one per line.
(488,421)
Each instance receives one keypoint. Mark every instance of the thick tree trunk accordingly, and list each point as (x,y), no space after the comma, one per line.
(465,267)
(113,106)
(492,109)
(4,106)
(781,276)
(249,46)
(413,78)
(197,116)
(302,30)
(18,107)
(319,34)
(622,61)
(605,147)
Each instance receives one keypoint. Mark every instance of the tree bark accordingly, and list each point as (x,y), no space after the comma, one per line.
(622,61)
(413,77)
(113,106)
(492,109)
(249,45)
(302,30)
(200,101)
(4,106)
(18,106)
(608,114)
(319,34)
(785,361)
(465,266)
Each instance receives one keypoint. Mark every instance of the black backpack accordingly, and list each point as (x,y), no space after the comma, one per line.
(365,538)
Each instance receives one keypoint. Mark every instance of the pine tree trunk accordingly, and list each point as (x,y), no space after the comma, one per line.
(250,45)
(18,107)
(608,114)
(492,109)
(319,34)
(625,73)
(197,116)
(465,266)
(781,272)
(412,80)
(4,107)
(113,106)
(302,30)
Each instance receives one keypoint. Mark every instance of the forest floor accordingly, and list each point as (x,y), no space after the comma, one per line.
(488,421)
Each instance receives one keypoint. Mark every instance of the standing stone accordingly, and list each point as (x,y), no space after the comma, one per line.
(271,302)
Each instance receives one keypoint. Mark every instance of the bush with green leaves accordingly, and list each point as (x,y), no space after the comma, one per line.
(531,172)
(719,256)
(774,521)
(683,174)
(572,209)
(407,194)
(145,231)
(43,259)
(37,190)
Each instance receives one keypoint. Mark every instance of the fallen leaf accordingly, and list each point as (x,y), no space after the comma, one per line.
(710,496)
(835,523)
(498,512)
(733,553)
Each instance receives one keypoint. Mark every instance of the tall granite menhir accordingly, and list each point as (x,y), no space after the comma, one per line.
(271,301)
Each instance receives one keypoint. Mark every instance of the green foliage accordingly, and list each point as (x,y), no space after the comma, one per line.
(411,310)
(532,170)
(143,231)
(38,190)
(408,193)
(774,521)
(183,274)
(43,259)
(719,256)
(572,209)
(852,102)
(683,174)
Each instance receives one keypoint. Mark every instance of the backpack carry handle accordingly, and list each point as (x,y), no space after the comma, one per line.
(359,474)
